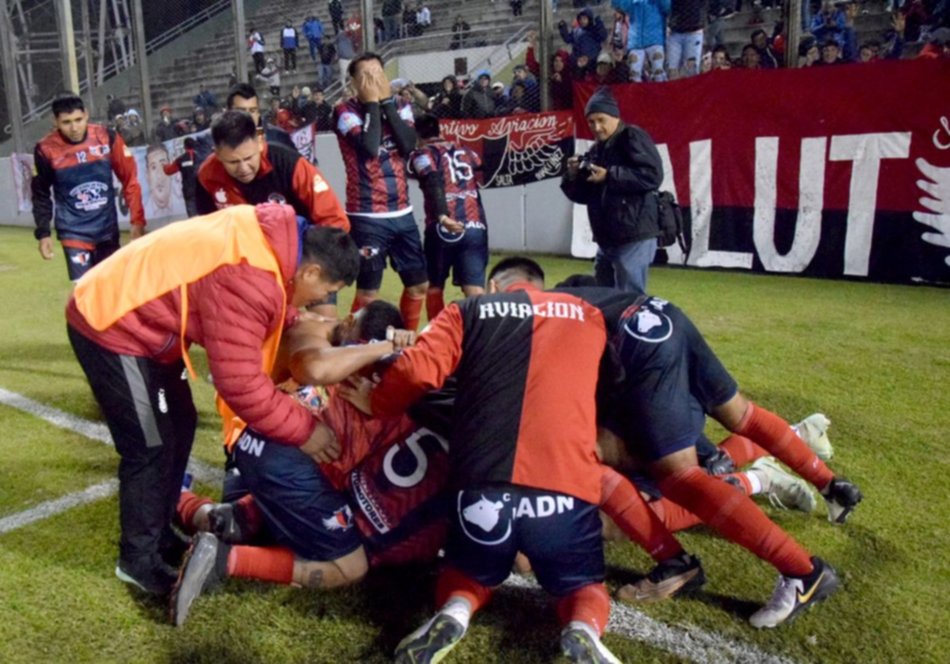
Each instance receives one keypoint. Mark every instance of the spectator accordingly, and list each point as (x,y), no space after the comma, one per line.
(313,31)
(345,50)
(502,103)
(777,42)
(620,30)
(270,75)
(561,81)
(750,57)
(255,44)
(273,112)
(165,129)
(521,74)
(423,17)
(294,100)
(200,120)
(336,15)
(647,37)
(289,42)
(767,58)
(586,38)
(206,99)
(937,46)
(520,100)
(323,110)
(685,43)
(306,109)
(720,58)
(411,95)
(607,71)
(243,97)
(830,53)
(186,164)
(379,30)
(829,23)
(893,48)
(460,30)
(808,52)
(325,71)
(516,7)
(115,106)
(447,103)
(134,132)
(408,27)
(917,19)
(478,102)
(392,17)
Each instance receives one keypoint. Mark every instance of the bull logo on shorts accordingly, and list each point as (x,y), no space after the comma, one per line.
(342,519)
(81,258)
(485,514)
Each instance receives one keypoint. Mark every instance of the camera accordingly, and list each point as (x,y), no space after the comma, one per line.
(584,169)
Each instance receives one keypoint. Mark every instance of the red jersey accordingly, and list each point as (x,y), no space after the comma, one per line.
(456,166)
(375,185)
(527,363)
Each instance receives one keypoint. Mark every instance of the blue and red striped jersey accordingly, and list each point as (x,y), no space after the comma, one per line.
(457,167)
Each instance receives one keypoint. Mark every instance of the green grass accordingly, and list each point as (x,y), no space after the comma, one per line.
(875,358)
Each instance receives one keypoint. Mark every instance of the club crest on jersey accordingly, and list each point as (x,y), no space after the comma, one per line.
(276,198)
(221,197)
(649,323)
(446,235)
(490,527)
(90,196)
(342,519)
(319,184)
(80,258)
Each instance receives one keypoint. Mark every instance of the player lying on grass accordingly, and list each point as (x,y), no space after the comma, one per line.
(672,381)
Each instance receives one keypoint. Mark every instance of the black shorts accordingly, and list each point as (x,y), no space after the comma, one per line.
(673,380)
(80,261)
(465,254)
(301,509)
(560,534)
(394,237)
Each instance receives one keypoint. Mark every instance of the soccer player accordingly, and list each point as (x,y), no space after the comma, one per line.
(672,381)
(186,164)
(246,169)
(456,237)
(523,469)
(246,272)
(243,97)
(76,161)
(376,135)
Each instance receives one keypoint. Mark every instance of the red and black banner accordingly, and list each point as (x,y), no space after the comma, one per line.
(839,171)
(516,149)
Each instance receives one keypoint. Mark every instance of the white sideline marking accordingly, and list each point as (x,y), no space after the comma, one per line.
(92,430)
(53,507)
(687,642)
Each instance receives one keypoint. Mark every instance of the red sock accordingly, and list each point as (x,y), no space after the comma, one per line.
(674,517)
(774,434)
(590,604)
(410,306)
(274,564)
(741,450)
(734,516)
(360,301)
(452,583)
(738,481)
(188,505)
(253,518)
(435,302)
(621,501)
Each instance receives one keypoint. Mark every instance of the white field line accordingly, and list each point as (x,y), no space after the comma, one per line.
(690,643)
(687,642)
(92,430)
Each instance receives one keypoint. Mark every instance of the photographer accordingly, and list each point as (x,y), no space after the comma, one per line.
(617,180)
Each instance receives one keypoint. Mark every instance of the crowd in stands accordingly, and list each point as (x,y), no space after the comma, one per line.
(652,40)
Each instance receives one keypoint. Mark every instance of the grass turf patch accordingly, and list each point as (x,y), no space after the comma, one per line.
(875,358)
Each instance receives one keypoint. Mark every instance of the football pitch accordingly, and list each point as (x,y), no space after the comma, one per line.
(874,358)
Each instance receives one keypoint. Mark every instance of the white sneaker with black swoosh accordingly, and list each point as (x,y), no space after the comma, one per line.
(794,594)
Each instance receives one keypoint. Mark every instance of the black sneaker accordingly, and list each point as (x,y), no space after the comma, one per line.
(793,594)
(205,567)
(431,642)
(151,575)
(671,577)
(719,463)
(227,522)
(173,548)
(842,497)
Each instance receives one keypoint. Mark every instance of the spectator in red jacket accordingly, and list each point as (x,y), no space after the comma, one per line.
(561,81)
(243,277)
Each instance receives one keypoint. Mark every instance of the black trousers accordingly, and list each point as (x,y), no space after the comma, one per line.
(290,58)
(151,416)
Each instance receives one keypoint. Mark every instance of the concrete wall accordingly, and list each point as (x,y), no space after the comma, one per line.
(535,217)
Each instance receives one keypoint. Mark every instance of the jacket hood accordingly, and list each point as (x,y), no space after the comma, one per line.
(586,11)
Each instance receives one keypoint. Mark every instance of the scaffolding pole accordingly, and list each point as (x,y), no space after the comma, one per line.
(10,80)
(139,28)
(240,40)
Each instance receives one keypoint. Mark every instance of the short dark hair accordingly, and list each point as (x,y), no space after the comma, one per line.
(233,128)
(363,57)
(427,126)
(242,90)
(67,102)
(376,317)
(190,143)
(334,251)
(522,264)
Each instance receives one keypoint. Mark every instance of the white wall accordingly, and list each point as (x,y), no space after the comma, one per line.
(535,217)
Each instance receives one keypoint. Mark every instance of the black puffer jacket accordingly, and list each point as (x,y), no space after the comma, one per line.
(622,209)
